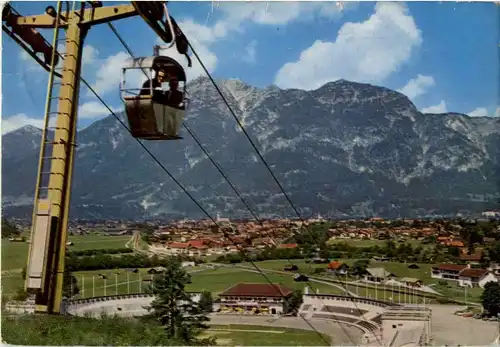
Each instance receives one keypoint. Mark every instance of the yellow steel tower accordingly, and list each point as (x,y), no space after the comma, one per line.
(44,275)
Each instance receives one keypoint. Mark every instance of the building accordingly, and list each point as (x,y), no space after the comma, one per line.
(377,274)
(447,271)
(412,282)
(464,275)
(473,258)
(337,268)
(191,248)
(475,278)
(254,298)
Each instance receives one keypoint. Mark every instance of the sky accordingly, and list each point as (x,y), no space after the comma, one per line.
(443,55)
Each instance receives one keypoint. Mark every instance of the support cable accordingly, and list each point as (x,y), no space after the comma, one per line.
(199,205)
(266,164)
(216,166)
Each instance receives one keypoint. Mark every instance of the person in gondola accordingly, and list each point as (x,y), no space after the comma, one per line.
(174,104)
(173,97)
(158,95)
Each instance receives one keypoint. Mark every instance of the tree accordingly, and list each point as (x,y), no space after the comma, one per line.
(454,251)
(70,285)
(490,298)
(359,267)
(206,302)
(173,307)
(20,294)
(293,302)
(9,230)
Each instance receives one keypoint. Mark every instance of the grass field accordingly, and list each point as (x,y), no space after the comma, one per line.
(399,269)
(15,254)
(213,280)
(249,335)
(370,242)
(98,242)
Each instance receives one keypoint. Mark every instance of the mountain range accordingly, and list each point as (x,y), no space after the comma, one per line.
(345,150)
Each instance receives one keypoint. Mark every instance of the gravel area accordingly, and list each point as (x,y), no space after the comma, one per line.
(449,329)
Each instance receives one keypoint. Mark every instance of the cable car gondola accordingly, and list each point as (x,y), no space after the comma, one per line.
(155,113)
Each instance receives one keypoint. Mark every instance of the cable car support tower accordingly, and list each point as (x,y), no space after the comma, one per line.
(45,268)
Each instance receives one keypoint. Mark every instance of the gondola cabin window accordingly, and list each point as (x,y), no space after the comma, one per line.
(156,108)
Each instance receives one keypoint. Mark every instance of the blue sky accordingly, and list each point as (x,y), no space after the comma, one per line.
(443,55)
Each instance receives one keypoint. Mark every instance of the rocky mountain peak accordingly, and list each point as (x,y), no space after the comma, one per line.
(344,149)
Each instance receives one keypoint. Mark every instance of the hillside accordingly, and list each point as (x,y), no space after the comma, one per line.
(345,149)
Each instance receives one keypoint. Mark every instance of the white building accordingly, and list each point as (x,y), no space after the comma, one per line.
(464,275)
(475,278)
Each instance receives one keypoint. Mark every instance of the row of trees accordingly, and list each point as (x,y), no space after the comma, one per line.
(90,252)
(8,230)
(117,261)
(398,252)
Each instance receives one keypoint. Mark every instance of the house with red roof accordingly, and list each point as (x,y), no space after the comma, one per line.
(337,267)
(191,248)
(464,275)
(256,298)
(447,271)
(287,246)
(475,278)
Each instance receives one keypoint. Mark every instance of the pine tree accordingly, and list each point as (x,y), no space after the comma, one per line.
(206,302)
(491,298)
(173,307)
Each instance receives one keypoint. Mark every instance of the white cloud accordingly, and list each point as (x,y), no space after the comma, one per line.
(367,52)
(439,108)
(109,74)
(250,52)
(88,110)
(483,112)
(479,112)
(20,120)
(89,55)
(234,14)
(279,13)
(94,109)
(201,37)
(418,86)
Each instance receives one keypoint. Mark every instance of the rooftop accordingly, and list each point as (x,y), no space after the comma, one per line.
(257,289)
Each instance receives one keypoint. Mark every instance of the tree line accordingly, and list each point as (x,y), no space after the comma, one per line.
(122,261)
(91,252)
(397,252)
